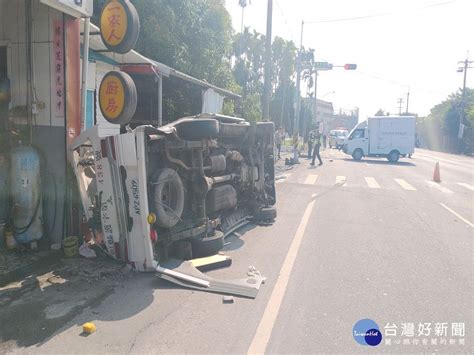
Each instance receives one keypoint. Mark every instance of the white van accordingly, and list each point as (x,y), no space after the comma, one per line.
(337,138)
(382,136)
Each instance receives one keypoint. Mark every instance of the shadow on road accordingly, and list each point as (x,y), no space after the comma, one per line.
(379,162)
(35,307)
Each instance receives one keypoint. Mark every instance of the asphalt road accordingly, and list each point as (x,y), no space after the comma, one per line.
(353,240)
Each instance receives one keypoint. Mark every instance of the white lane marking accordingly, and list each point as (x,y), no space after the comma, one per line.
(467,186)
(451,161)
(265,327)
(426,159)
(372,183)
(341,180)
(439,187)
(457,215)
(404,184)
(311,179)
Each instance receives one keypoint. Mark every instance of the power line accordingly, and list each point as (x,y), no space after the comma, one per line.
(282,14)
(381,14)
(397,83)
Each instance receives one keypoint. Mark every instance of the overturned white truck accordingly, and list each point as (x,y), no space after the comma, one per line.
(178,189)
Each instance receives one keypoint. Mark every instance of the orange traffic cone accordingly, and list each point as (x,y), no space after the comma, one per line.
(436,174)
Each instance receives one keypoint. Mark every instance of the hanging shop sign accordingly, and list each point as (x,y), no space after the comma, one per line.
(117,97)
(119,26)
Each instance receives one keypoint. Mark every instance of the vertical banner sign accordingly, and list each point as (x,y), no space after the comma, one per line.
(58,70)
(73,79)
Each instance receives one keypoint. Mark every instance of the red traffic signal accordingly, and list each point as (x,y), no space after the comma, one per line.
(350,66)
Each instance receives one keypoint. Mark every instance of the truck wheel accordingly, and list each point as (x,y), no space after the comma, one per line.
(265,129)
(233,129)
(168,197)
(197,129)
(207,245)
(266,214)
(393,156)
(357,155)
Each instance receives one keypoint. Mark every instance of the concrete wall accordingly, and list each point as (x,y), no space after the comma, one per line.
(13,35)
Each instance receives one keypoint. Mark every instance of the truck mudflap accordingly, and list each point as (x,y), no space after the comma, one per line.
(183,273)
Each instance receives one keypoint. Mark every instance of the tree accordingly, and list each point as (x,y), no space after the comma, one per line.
(439,130)
(193,36)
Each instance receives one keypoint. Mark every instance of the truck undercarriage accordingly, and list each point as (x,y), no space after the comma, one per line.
(176,190)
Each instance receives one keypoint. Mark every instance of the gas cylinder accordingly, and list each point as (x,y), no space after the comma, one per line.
(26,194)
(4,189)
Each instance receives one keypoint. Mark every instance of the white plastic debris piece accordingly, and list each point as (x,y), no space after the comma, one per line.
(56,246)
(228,299)
(87,252)
(253,272)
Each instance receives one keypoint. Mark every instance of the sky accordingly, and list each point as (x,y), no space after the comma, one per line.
(399,46)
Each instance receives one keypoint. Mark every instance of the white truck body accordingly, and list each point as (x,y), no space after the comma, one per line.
(382,136)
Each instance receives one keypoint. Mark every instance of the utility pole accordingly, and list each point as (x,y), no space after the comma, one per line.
(408,99)
(466,65)
(315,95)
(267,84)
(297,91)
(400,103)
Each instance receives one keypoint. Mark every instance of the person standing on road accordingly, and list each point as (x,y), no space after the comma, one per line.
(317,147)
(278,140)
(311,139)
(295,147)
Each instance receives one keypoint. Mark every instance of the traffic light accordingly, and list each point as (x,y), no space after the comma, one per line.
(350,66)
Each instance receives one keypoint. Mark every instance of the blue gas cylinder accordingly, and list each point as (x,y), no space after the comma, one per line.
(26,194)
(4,190)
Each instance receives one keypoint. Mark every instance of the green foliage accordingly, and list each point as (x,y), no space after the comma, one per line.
(439,130)
(250,108)
(196,37)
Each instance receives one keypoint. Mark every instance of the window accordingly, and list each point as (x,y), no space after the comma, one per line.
(358,133)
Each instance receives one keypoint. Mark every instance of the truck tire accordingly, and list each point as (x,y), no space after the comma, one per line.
(197,129)
(266,214)
(168,197)
(233,129)
(393,156)
(265,129)
(357,155)
(207,245)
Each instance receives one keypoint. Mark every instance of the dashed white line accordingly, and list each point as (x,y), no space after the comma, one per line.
(265,327)
(467,186)
(457,215)
(439,187)
(404,184)
(372,183)
(311,179)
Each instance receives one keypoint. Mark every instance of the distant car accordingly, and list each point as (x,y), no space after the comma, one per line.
(337,138)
